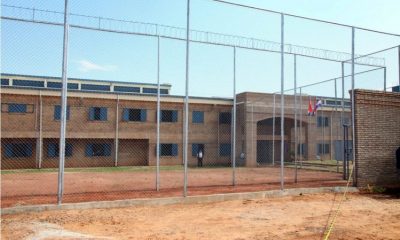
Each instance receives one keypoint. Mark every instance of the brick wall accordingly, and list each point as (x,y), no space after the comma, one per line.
(377,132)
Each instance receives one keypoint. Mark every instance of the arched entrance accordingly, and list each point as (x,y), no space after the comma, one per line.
(265,140)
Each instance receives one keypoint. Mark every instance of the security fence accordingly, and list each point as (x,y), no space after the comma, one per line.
(219,125)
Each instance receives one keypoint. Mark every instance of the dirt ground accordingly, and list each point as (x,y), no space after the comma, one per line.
(296,217)
(41,188)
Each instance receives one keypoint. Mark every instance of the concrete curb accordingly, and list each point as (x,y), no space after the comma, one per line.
(173,200)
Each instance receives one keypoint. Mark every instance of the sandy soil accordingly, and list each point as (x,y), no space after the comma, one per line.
(40,188)
(298,217)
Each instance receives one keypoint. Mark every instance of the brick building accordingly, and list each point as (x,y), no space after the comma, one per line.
(114,124)
(377,132)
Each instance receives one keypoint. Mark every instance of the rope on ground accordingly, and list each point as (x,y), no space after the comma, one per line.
(329,230)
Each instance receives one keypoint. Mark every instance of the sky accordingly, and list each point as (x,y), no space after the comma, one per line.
(36,49)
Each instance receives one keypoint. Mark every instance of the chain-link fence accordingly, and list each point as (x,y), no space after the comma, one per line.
(219,125)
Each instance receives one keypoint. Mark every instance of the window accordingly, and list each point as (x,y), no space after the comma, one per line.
(168,149)
(59,85)
(169,116)
(322,148)
(301,149)
(95,87)
(150,90)
(126,89)
(197,117)
(17,108)
(135,115)
(225,149)
(196,147)
(322,122)
(57,112)
(28,83)
(163,91)
(98,150)
(225,118)
(18,150)
(98,114)
(5,81)
(53,150)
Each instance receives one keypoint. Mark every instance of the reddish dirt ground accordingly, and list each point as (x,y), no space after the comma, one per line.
(40,188)
(296,217)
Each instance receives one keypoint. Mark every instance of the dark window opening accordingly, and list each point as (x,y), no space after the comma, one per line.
(53,150)
(17,108)
(323,122)
(169,116)
(28,83)
(197,117)
(98,114)
(225,118)
(168,149)
(57,112)
(18,150)
(225,149)
(94,87)
(323,148)
(196,147)
(98,150)
(135,115)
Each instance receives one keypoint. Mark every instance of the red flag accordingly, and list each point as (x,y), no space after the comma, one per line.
(310,108)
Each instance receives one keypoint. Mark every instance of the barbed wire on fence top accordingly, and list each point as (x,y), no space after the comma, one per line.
(151,29)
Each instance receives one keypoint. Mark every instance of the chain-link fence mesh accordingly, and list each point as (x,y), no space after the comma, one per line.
(119,145)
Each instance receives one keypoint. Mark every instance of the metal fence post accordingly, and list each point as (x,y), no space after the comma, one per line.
(282,100)
(300,130)
(295,117)
(353,105)
(384,79)
(63,106)
(234,120)
(158,118)
(399,62)
(185,137)
(273,133)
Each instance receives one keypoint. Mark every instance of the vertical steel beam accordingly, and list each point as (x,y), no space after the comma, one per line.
(384,79)
(295,116)
(234,120)
(116,142)
(63,105)
(300,130)
(341,123)
(353,105)
(158,118)
(40,130)
(282,98)
(398,53)
(334,119)
(185,133)
(273,133)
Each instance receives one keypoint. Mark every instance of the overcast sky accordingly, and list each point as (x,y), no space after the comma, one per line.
(36,49)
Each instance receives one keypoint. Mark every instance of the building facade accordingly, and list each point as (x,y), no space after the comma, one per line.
(115,124)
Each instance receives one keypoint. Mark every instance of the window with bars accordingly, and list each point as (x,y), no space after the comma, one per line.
(168,149)
(323,148)
(18,150)
(169,116)
(57,112)
(53,149)
(225,118)
(322,121)
(98,114)
(98,150)
(134,115)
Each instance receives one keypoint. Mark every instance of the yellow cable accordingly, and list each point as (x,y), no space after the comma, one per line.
(328,232)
